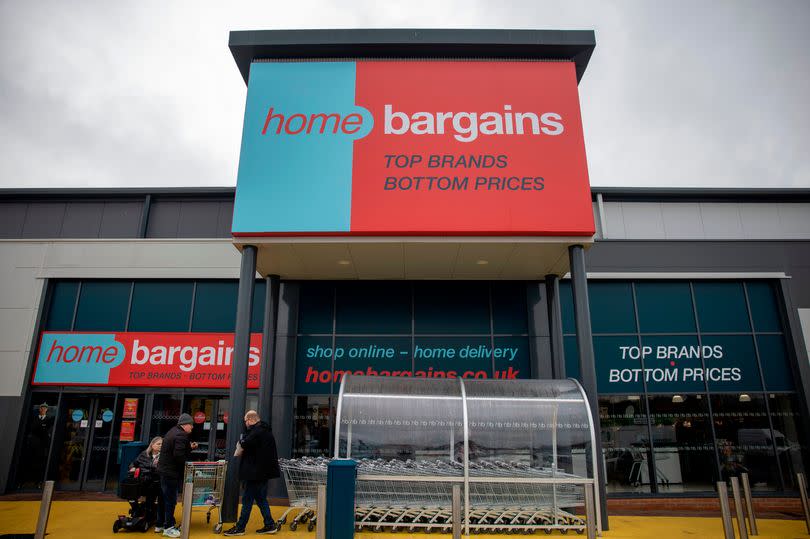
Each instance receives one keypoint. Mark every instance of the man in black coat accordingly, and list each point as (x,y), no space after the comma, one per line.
(174,453)
(258,463)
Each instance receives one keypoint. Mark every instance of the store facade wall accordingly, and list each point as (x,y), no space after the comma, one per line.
(501,325)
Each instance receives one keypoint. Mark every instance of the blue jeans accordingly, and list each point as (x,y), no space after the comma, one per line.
(169,486)
(255,491)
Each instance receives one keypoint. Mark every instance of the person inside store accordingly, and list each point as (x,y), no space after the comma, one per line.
(174,453)
(39,441)
(258,463)
(147,463)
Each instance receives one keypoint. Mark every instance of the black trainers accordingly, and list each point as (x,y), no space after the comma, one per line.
(273,528)
(236,530)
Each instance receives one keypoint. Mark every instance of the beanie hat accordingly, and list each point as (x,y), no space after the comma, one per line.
(185,419)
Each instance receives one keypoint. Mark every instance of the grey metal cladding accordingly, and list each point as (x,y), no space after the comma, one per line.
(760,220)
(198,219)
(44,220)
(703,256)
(225,219)
(164,216)
(82,220)
(682,220)
(12,219)
(121,219)
(721,220)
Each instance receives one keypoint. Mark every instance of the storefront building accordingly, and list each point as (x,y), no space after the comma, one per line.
(119,312)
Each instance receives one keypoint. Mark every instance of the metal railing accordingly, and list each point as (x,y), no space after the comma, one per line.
(739,508)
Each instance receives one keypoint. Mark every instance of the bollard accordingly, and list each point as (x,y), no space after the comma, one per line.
(738,508)
(803,492)
(749,504)
(44,510)
(725,512)
(185,520)
(456,512)
(320,513)
(590,511)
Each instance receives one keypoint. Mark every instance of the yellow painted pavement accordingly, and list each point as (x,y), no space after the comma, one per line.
(74,520)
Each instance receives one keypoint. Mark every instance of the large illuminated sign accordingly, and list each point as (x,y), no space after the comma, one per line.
(413,148)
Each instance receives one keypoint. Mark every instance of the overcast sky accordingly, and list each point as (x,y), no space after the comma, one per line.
(146,93)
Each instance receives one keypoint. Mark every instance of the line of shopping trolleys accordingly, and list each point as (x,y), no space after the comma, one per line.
(391,503)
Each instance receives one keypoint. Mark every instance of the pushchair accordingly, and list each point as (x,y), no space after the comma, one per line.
(136,489)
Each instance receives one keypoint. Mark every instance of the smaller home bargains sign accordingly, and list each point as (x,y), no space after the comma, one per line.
(142,359)
(203,360)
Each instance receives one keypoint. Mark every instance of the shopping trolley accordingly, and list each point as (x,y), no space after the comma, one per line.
(207,484)
(497,504)
(302,477)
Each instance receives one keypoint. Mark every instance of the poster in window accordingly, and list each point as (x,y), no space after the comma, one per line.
(127,431)
(130,409)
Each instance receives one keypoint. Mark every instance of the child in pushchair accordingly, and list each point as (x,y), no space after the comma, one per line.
(141,489)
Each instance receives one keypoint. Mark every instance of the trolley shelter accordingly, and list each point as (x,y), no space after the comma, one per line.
(522,450)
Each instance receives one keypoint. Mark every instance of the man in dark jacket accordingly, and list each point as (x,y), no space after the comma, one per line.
(258,463)
(174,453)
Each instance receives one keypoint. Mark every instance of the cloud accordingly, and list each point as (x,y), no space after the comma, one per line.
(147,93)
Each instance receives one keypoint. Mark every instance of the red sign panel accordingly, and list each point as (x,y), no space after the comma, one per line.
(190,360)
(492,147)
(127,431)
(130,409)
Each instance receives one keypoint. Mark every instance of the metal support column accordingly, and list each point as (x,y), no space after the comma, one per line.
(267,365)
(239,371)
(555,326)
(587,367)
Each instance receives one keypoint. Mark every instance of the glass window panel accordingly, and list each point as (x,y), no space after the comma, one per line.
(312,437)
(103,306)
(683,448)
(611,306)
(314,365)
(775,367)
(721,307)
(373,307)
(789,436)
(571,350)
(161,306)
(665,307)
(114,455)
(315,307)
(451,307)
(201,410)
(509,308)
(764,307)
(512,359)
(373,356)
(257,317)
(625,443)
(567,308)
(215,306)
(165,413)
(453,357)
(618,365)
(744,439)
(731,363)
(673,363)
(63,303)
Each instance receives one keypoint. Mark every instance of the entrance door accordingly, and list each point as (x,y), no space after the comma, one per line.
(85,426)
(210,427)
